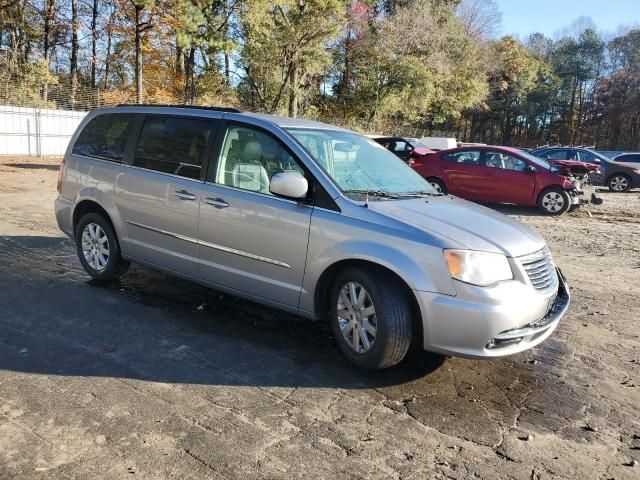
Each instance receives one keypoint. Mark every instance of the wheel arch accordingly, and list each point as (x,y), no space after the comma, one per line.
(323,289)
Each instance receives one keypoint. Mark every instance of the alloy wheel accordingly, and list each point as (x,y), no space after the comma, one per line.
(552,202)
(619,183)
(357,317)
(95,246)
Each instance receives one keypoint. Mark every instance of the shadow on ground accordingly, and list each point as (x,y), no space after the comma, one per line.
(156,327)
(34,166)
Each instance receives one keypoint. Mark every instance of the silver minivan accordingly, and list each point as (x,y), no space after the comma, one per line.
(309,218)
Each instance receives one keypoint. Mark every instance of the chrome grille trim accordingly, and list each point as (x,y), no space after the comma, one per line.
(540,270)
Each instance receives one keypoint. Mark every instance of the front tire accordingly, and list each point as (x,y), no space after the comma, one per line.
(438,185)
(370,318)
(554,201)
(619,183)
(98,249)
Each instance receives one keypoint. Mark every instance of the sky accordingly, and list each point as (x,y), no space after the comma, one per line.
(522,17)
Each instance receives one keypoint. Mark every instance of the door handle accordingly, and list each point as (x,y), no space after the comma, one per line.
(184,195)
(216,202)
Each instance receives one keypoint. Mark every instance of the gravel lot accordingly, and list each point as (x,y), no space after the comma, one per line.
(155,377)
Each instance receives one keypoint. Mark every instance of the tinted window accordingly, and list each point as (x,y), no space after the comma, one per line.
(556,155)
(104,137)
(470,156)
(173,145)
(401,146)
(584,156)
(504,161)
(628,158)
(249,159)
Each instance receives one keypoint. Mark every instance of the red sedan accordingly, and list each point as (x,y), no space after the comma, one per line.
(502,175)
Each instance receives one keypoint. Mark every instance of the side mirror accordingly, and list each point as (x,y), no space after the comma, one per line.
(289,185)
(532,169)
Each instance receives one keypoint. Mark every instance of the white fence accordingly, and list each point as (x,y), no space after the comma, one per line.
(36,131)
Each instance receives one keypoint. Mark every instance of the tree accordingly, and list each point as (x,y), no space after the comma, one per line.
(482,19)
(284,48)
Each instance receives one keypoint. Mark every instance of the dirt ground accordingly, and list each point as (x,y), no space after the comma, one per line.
(154,377)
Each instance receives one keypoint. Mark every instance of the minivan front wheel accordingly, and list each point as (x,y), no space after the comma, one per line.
(98,249)
(370,318)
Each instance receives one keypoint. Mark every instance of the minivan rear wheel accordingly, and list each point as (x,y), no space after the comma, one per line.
(370,318)
(98,249)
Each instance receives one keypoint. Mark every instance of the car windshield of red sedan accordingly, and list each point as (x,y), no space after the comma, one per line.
(537,160)
(360,166)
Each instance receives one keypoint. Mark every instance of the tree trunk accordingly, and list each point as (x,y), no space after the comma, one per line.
(46,41)
(189,81)
(138,65)
(74,51)
(94,42)
(179,60)
(293,94)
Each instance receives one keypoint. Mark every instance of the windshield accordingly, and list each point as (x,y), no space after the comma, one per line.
(359,165)
(537,160)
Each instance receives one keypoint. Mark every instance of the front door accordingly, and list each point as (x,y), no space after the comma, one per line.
(158,196)
(250,240)
(510,179)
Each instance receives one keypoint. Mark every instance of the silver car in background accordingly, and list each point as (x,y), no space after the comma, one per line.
(308,218)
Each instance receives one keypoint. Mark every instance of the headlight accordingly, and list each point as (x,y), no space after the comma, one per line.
(478,268)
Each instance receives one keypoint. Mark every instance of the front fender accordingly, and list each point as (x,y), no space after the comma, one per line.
(421,266)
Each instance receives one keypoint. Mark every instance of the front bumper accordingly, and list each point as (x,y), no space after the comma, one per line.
(513,318)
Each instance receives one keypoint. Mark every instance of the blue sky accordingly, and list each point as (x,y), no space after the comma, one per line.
(522,17)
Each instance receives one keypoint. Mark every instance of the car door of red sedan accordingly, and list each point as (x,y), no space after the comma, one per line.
(511,181)
(464,175)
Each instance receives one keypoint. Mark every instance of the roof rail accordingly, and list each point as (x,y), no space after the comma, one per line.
(196,107)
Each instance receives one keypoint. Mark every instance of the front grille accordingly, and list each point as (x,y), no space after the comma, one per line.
(540,270)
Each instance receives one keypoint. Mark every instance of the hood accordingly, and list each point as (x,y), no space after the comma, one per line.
(469,225)
(575,165)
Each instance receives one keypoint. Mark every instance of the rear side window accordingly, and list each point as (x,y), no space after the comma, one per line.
(104,137)
(470,156)
(556,155)
(628,158)
(173,145)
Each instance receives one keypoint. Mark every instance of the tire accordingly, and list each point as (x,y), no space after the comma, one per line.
(554,201)
(390,319)
(94,234)
(438,185)
(619,182)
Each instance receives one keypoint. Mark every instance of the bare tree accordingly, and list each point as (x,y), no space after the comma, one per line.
(74,50)
(482,19)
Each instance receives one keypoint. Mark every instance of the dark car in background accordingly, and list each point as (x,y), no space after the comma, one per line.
(580,154)
(408,149)
(502,175)
(623,173)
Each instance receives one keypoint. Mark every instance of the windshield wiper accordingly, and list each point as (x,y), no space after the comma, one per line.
(422,193)
(373,193)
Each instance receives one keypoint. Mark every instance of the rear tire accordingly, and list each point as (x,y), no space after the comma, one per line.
(438,185)
(554,201)
(98,249)
(370,316)
(619,182)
